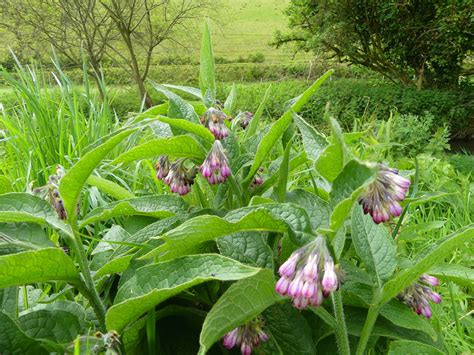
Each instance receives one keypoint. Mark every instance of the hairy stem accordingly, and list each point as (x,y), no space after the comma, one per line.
(90,292)
(340,329)
(367,329)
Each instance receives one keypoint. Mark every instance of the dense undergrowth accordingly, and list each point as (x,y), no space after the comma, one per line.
(152,270)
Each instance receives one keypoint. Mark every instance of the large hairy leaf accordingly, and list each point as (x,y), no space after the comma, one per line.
(177,147)
(15,341)
(207,72)
(159,206)
(242,302)
(37,266)
(314,142)
(71,184)
(248,248)
(191,127)
(152,284)
(178,107)
(374,245)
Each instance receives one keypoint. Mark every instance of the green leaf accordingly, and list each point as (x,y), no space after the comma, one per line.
(229,103)
(9,301)
(109,187)
(289,329)
(5,185)
(424,197)
(374,245)
(283,174)
(314,142)
(403,316)
(248,248)
(347,187)
(331,161)
(23,207)
(242,302)
(153,284)
(14,341)
(280,126)
(186,89)
(459,274)
(407,347)
(60,321)
(436,252)
(194,128)
(37,266)
(207,72)
(279,218)
(176,147)
(159,206)
(23,236)
(114,266)
(178,107)
(72,183)
(114,234)
(253,125)
(318,209)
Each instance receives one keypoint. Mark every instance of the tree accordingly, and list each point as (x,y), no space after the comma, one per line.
(144,25)
(73,28)
(405,40)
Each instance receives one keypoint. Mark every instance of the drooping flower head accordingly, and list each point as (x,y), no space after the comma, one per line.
(381,200)
(179,178)
(308,276)
(244,119)
(215,167)
(418,295)
(162,167)
(214,119)
(50,192)
(257,179)
(246,337)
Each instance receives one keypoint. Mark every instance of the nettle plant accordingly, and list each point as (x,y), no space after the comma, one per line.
(271,237)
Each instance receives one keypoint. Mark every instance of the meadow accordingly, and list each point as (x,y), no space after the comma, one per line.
(175,226)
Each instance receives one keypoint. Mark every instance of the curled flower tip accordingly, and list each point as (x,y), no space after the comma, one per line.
(244,119)
(179,178)
(230,339)
(418,295)
(214,119)
(429,280)
(215,167)
(162,167)
(381,199)
(246,337)
(308,276)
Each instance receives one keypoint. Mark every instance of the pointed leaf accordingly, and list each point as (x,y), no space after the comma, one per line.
(159,206)
(177,147)
(253,125)
(178,107)
(194,128)
(109,187)
(207,72)
(229,103)
(374,245)
(72,183)
(37,266)
(153,284)
(425,260)
(314,142)
(242,302)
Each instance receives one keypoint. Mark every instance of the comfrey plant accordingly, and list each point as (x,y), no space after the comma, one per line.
(250,237)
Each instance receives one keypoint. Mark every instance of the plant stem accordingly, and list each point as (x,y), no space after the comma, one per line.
(367,329)
(340,329)
(90,292)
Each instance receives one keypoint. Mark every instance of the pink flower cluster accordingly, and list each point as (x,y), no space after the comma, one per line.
(216,167)
(381,200)
(246,337)
(214,119)
(308,276)
(418,295)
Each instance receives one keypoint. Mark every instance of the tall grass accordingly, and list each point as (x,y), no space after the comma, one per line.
(52,123)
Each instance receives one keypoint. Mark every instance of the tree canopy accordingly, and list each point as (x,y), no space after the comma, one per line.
(407,40)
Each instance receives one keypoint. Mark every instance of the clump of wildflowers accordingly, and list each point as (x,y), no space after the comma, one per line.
(246,337)
(418,295)
(381,200)
(215,167)
(308,276)
(178,177)
(214,119)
